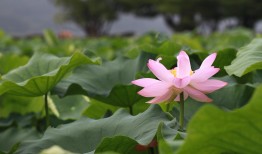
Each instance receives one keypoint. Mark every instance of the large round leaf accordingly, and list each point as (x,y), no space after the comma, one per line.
(15,59)
(84,135)
(70,107)
(215,131)
(13,136)
(19,104)
(109,83)
(97,109)
(248,58)
(40,74)
(234,38)
(169,139)
(119,144)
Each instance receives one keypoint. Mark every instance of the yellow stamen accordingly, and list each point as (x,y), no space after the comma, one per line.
(173,71)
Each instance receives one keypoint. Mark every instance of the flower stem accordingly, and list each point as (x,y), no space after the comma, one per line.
(181,117)
(151,150)
(46,111)
(130,110)
(168,107)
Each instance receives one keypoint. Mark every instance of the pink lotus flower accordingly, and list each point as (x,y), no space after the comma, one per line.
(180,79)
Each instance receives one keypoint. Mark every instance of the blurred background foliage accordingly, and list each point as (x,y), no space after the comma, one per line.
(95,17)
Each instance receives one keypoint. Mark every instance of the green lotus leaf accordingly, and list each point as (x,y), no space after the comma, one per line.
(40,74)
(169,139)
(248,58)
(128,145)
(19,104)
(234,38)
(215,131)
(15,59)
(97,109)
(84,135)
(109,83)
(257,77)
(70,107)
(12,136)
(17,120)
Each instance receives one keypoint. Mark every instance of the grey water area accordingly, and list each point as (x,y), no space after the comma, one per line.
(29,17)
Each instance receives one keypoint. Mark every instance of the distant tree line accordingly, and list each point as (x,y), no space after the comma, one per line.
(96,16)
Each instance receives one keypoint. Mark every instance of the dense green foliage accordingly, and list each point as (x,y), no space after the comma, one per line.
(94,108)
